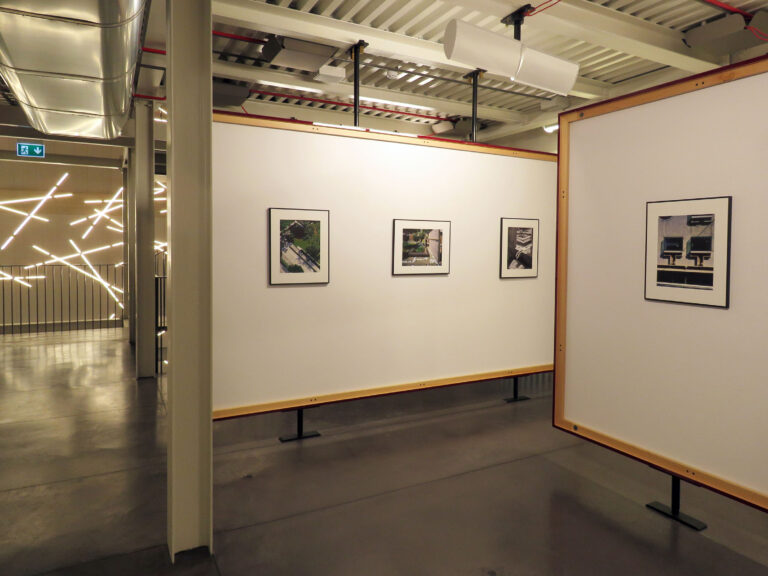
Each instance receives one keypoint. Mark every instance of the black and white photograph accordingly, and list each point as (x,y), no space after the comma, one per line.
(519,248)
(421,247)
(687,257)
(298,251)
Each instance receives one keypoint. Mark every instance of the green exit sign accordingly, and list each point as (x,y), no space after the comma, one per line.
(26,150)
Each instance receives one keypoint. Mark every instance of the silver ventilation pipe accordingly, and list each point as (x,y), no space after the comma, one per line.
(71,64)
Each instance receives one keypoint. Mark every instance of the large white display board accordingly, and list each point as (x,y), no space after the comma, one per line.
(680,386)
(367,329)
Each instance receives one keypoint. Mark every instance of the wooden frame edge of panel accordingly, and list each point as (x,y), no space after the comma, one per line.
(318,400)
(669,466)
(280,124)
(684,86)
(714,77)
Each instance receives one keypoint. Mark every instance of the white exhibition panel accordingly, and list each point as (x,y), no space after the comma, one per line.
(684,382)
(367,328)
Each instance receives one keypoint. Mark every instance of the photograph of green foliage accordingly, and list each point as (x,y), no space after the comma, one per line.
(421,247)
(298,246)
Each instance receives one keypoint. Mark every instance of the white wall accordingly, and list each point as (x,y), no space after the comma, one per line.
(683,382)
(366,328)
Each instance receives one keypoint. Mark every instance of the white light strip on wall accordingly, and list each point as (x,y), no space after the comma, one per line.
(119,264)
(61,180)
(69,256)
(34,211)
(164,211)
(22,213)
(100,279)
(67,195)
(80,270)
(96,213)
(118,230)
(160,199)
(7,276)
(103,212)
(163,110)
(163,120)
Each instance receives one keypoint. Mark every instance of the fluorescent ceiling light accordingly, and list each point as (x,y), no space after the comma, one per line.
(408,134)
(358,128)
(394,103)
(291,87)
(551,128)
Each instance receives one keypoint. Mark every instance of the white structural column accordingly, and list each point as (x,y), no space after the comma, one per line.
(188,80)
(126,244)
(129,207)
(144,160)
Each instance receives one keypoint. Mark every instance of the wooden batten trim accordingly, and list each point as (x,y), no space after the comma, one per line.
(676,88)
(670,466)
(679,87)
(431,142)
(371,392)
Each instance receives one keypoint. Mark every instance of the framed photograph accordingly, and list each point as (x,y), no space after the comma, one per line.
(421,247)
(298,246)
(688,251)
(519,248)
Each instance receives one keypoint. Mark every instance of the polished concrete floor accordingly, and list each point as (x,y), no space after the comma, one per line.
(443,482)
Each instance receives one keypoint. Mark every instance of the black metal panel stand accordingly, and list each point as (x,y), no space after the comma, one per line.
(474,76)
(673,511)
(300,434)
(515,395)
(357,49)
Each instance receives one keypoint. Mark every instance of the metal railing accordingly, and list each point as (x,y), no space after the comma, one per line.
(161,316)
(55,297)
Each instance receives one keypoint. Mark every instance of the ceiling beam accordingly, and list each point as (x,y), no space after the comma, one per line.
(286,21)
(292,111)
(546,119)
(595,24)
(233,71)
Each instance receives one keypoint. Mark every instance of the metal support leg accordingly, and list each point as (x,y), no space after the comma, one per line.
(474,76)
(357,50)
(673,511)
(300,434)
(515,393)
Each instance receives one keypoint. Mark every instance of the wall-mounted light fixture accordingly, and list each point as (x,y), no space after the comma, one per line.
(499,54)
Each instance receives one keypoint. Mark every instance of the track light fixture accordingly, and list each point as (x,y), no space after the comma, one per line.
(498,54)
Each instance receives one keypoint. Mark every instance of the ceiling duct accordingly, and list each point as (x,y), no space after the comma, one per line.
(71,64)
(728,34)
(225,95)
(297,54)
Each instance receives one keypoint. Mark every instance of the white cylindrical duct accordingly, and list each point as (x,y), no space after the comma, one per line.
(478,48)
(547,72)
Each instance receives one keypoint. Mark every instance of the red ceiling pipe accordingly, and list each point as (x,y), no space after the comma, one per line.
(149,97)
(238,37)
(345,104)
(215,33)
(730,8)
